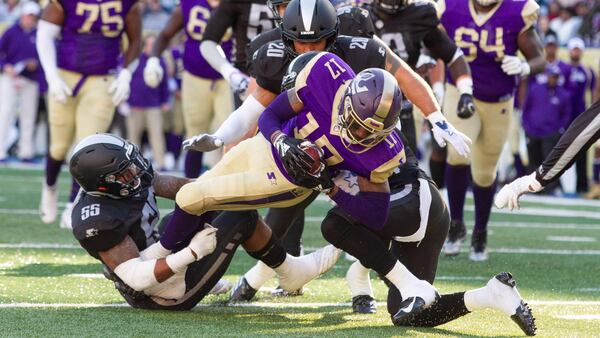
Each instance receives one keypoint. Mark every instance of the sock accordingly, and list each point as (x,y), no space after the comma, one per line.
(446,309)
(52,170)
(457,180)
(181,227)
(437,169)
(477,299)
(174,144)
(74,190)
(258,275)
(596,172)
(484,196)
(193,164)
(359,280)
(272,254)
(519,167)
(402,279)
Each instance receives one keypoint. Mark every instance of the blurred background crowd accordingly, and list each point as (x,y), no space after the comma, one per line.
(570,30)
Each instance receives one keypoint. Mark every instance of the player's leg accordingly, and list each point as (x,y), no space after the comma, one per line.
(7,111)
(196,94)
(595,189)
(458,170)
(27,117)
(61,122)
(514,142)
(153,121)
(485,154)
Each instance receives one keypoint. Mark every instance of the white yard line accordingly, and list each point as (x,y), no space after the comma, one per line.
(570,239)
(580,317)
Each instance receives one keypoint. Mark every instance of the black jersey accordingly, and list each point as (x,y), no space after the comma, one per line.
(415,26)
(100,223)
(247,19)
(271,61)
(409,172)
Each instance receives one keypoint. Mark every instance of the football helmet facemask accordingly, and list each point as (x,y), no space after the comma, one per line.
(309,21)
(109,166)
(369,109)
(390,6)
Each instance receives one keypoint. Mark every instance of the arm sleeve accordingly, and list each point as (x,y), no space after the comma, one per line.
(47,33)
(240,121)
(578,138)
(221,19)
(362,206)
(440,45)
(277,113)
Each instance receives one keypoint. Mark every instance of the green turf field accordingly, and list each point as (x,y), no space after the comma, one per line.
(50,287)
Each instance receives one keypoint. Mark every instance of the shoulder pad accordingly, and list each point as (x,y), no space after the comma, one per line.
(295,67)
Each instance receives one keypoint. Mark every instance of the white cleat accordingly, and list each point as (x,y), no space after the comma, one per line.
(479,256)
(222,286)
(48,208)
(502,290)
(303,269)
(65,218)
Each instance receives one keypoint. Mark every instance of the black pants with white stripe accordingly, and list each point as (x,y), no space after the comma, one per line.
(235,227)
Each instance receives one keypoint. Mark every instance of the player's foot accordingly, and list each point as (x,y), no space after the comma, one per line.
(456,236)
(48,208)
(279,292)
(479,252)
(505,297)
(222,286)
(65,218)
(410,308)
(303,269)
(242,291)
(364,304)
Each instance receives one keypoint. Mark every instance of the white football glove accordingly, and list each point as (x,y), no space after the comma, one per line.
(444,132)
(204,242)
(120,87)
(202,143)
(512,65)
(438,91)
(58,89)
(510,193)
(153,72)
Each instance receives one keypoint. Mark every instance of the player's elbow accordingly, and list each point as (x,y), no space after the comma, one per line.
(137,274)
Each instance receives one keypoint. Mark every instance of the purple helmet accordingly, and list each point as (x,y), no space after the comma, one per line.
(370,109)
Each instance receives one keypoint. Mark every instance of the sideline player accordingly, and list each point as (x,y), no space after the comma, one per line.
(78,43)
(490,33)
(206,97)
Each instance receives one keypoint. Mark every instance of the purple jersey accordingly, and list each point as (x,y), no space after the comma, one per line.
(486,39)
(580,80)
(320,86)
(91,35)
(195,16)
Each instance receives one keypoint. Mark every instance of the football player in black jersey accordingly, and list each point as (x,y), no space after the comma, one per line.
(406,27)
(247,18)
(114,218)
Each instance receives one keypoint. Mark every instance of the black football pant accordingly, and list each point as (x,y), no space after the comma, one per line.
(235,227)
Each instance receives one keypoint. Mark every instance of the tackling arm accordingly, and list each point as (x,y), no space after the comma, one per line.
(167,186)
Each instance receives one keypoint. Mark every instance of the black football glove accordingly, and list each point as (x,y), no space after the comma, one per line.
(466,106)
(295,161)
(322,182)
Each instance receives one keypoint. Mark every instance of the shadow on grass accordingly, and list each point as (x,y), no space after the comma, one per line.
(52,270)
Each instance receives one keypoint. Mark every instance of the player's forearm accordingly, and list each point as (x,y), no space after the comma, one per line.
(240,121)
(413,86)
(167,186)
(133,29)
(277,113)
(537,64)
(214,55)
(459,69)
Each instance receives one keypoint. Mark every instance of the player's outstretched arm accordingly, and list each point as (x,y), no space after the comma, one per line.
(153,72)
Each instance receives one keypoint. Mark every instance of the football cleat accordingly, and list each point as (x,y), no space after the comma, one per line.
(65,218)
(222,286)
(503,290)
(242,292)
(48,203)
(279,292)
(479,252)
(456,236)
(305,268)
(364,304)
(409,309)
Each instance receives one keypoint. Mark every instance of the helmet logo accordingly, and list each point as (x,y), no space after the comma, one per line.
(307,33)
(356,87)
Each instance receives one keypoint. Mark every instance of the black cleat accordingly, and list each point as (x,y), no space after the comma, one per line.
(410,308)
(279,292)
(364,304)
(456,236)
(242,292)
(479,250)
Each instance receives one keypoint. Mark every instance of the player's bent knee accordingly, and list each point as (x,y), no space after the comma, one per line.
(333,228)
(191,199)
(59,151)
(484,178)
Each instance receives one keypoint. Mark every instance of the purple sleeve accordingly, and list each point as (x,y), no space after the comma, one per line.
(368,208)
(276,114)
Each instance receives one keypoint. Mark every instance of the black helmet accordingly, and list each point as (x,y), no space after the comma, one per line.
(107,165)
(309,21)
(273,7)
(295,67)
(390,6)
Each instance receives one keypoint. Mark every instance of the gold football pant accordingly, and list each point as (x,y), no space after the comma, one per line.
(149,119)
(246,178)
(488,128)
(89,111)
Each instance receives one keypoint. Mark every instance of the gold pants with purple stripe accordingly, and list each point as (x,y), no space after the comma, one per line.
(246,178)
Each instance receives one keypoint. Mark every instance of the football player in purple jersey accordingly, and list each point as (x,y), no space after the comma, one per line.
(79,44)
(206,97)
(490,33)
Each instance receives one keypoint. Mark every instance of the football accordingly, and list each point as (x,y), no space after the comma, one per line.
(316,155)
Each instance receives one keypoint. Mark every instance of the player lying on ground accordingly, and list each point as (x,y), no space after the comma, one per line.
(114,219)
(583,132)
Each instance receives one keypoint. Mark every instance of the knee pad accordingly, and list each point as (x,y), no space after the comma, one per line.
(483,177)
